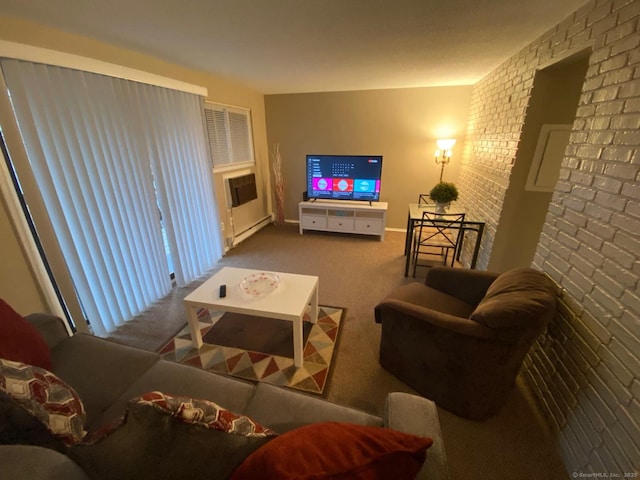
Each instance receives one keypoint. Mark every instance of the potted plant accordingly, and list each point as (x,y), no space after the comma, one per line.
(443,194)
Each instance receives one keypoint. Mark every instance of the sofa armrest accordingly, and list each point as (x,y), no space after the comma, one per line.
(419,416)
(50,327)
(467,285)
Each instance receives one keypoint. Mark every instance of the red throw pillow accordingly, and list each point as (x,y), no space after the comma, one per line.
(333,450)
(20,341)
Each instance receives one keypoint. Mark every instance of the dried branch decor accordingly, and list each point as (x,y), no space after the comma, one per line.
(276,166)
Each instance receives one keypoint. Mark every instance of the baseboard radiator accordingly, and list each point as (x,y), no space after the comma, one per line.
(249,231)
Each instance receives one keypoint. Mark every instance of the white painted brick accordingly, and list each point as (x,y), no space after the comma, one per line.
(605,108)
(595,462)
(600,212)
(617,153)
(615,253)
(609,303)
(607,184)
(611,201)
(600,228)
(631,322)
(611,365)
(602,389)
(574,289)
(594,417)
(631,300)
(592,241)
(621,275)
(622,448)
(630,423)
(587,363)
(582,265)
(569,440)
(568,243)
(600,406)
(630,243)
(629,361)
(611,466)
(635,390)
(584,433)
(565,391)
(597,326)
(609,284)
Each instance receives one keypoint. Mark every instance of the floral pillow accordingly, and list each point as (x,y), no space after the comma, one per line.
(46,397)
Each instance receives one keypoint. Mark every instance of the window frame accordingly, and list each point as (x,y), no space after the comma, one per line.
(233,132)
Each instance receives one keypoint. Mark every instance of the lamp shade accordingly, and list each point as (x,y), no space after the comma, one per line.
(446,143)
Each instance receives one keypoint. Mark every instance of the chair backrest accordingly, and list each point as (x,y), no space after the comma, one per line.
(423,199)
(440,229)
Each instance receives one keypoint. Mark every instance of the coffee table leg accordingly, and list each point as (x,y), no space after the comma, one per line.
(313,303)
(297,342)
(297,328)
(192,316)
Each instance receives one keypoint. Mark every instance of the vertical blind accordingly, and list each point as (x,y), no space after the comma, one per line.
(109,155)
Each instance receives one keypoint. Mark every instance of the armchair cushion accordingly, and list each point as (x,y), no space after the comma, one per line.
(518,298)
(421,295)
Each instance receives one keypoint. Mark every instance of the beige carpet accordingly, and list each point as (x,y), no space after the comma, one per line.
(356,272)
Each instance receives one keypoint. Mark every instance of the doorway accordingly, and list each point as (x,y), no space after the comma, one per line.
(552,108)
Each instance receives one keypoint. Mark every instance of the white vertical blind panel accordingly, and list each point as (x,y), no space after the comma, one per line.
(90,164)
(181,164)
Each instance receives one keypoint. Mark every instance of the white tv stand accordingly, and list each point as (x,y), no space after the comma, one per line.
(343,216)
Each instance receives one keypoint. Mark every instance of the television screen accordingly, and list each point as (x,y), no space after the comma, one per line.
(344,177)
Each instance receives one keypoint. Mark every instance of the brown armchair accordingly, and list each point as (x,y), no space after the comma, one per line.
(460,338)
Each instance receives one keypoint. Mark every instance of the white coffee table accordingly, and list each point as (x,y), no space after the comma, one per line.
(288,301)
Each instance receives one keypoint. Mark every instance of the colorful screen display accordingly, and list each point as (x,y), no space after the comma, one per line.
(344,177)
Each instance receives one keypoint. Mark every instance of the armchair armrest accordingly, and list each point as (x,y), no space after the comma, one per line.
(50,327)
(418,416)
(467,285)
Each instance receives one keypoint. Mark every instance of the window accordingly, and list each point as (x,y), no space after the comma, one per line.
(229,134)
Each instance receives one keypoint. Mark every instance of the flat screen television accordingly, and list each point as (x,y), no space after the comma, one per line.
(344,177)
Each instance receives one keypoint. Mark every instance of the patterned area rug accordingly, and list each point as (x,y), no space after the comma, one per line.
(261,349)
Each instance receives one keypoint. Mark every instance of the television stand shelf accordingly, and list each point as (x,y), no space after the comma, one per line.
(343,216)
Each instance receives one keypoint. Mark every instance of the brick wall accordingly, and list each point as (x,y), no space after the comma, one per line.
(585,370)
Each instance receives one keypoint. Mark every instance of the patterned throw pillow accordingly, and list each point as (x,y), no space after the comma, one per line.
(204,413)
(46,397)
(164,437)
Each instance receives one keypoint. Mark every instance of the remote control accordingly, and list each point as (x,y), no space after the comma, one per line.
(223,291)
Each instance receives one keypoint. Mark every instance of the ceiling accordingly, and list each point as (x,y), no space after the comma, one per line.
(292,46)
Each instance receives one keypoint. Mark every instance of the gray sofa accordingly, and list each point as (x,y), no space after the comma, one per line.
(106,375)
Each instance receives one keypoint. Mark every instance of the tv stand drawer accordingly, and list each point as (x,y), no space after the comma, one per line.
(313,221)
(370,226)
(340,224)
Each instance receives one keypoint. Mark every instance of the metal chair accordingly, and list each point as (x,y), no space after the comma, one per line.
(436,235)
